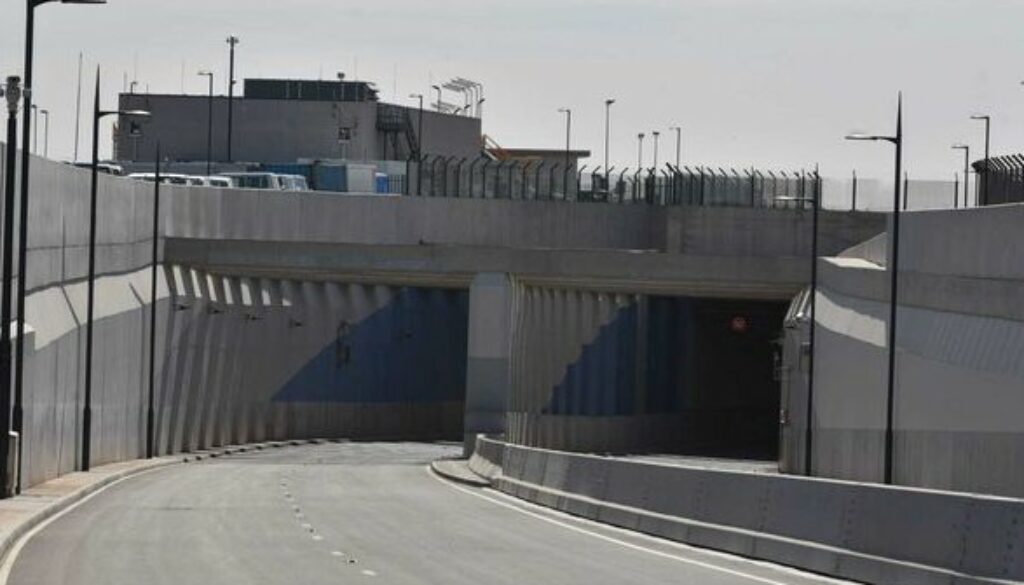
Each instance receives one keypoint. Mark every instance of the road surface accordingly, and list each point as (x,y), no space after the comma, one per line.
(347,513)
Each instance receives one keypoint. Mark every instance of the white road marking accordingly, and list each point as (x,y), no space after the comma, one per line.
(369,573)
(518,505)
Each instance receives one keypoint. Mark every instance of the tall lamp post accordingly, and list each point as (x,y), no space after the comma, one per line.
(679,144)
(150,413)
(988,137)
(967,170)
(568,133)
(12,91)
(640,152)
(97,115)
(30,18)
(437,88)
(894,259)
(657,136)
(607,137)
(419,144)
(232,41)
(35,130)
(209,123)
(815,201)
(46,132)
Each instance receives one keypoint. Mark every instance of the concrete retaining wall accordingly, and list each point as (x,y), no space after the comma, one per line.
(959,378)
(867,533)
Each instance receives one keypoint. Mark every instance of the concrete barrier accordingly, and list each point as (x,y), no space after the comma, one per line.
(864,532)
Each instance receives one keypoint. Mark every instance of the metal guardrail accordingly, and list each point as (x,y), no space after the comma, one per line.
(485,178)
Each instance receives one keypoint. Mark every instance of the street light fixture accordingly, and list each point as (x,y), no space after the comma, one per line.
(30,18)
(209,124)
(640,154)
(988,137)
(897,141)
(967,171)
(98,114)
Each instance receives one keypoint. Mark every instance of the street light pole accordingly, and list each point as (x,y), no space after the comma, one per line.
(209,124)
(97,115)
(679,144)
(607,136)
(815,201)
(640,155)
(12,90)
(46,132)
(967,170)
(894,252)
(35,129)
(419,145)
(438,89)
(232,41)
(657,136)
(16,421)
(988,136)
(568,133)
(150,413)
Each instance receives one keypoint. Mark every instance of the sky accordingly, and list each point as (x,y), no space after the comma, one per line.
(768,83)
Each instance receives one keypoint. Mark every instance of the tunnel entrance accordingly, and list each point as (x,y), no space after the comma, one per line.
(727,389)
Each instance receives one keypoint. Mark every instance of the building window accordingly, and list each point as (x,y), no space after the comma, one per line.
(344,134)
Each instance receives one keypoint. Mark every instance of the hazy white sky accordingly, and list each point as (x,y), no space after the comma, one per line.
(772,83)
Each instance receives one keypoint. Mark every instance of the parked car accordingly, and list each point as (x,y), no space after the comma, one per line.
(105,168)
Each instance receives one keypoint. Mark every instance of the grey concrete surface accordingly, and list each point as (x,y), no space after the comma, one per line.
(347,513)
(865,532)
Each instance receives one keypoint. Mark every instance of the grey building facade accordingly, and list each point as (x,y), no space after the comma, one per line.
(285,121)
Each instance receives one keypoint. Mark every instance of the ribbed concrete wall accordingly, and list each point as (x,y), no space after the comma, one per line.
(238,359)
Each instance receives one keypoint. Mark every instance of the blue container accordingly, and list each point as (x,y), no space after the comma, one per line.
(383,183)
(330,178)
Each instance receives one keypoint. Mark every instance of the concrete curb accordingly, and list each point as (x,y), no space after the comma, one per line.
(8,541)
(457,470)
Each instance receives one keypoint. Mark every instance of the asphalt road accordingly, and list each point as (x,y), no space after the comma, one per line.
(347,513)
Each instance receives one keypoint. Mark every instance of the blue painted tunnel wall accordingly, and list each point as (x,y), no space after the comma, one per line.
(411,350)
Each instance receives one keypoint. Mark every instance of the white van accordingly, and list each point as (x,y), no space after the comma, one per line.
(165,178)
(294,183)
(268,181)
(224,182)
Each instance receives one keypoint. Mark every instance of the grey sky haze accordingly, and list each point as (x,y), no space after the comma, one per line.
(771,83)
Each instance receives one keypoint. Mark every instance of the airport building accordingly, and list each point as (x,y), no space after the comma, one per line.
(287,121)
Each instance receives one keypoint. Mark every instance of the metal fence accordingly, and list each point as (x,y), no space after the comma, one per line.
(1001,179)
(486,178)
